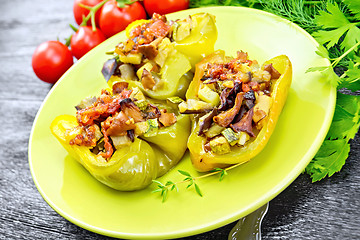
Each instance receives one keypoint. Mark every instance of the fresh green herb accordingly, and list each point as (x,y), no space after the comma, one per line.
(190,180)
(222,173)
(207,3)
(339,37)
(335,149)
(297,11)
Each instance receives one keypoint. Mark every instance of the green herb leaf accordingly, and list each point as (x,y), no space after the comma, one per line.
(351,105)
(329,159)
(335,149)
(354,7)
(157,190)
(333,17)
(351,78)
(328,73)
(184,173)
(322,52)
(336,24)
(222,175)
(190,184)
(198,191)
(164,194)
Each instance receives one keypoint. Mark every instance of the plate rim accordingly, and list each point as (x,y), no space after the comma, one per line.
(283,184)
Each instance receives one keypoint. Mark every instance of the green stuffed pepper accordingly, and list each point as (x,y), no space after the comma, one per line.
(158,55)
(124,139)
(237,103)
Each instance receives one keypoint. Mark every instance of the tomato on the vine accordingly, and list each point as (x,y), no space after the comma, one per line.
(165,6)
(80,12)
(50,61)
(84,40)
(114,19)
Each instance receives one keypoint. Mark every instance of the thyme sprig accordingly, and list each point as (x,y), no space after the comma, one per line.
(190,180)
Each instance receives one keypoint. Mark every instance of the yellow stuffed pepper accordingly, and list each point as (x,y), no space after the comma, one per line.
(124,139)
(237,103)
(158,55)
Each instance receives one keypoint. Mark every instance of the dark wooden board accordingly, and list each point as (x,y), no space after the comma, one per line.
(325,210)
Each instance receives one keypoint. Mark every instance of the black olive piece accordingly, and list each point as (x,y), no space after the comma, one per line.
(125,101)
(131,134)
(204,125)
(109,68)
(249,103)
(250,95)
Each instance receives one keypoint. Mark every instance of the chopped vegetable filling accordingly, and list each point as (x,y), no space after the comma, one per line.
(239,93)
(144,52)
(114,120)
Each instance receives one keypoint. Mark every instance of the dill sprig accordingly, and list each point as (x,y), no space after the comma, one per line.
(298,11)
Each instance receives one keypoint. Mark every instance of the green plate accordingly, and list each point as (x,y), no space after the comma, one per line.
(71,191)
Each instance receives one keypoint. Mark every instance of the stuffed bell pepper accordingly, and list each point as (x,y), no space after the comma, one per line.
(237,104)
(122,138)
(158,55)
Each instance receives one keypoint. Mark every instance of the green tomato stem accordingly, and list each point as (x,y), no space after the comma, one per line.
(75,29)
(92,12)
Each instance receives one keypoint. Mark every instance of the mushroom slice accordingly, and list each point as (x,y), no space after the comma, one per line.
(132,111)
(147,79)
(167,119)
(245,124)
(273,72)
(149,50)
(225,118)
(119,87)
(118,125)
(152,112)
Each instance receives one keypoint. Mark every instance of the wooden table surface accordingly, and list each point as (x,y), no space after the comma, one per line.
(325,210)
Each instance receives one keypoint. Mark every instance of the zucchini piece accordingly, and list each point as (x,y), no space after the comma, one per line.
(120,141)
(148,128)
(219,145)
(127,72)
(164,48)
(231,136)
(175,100)
(131,58)
(141,104)
(214,130)
(208,95)
(153,128)
(243,138)
(192,105)
(137,94)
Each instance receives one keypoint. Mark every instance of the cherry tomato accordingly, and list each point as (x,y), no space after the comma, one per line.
(114,19)
(50,61)
(80,12)
(84,40)
(165,6)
